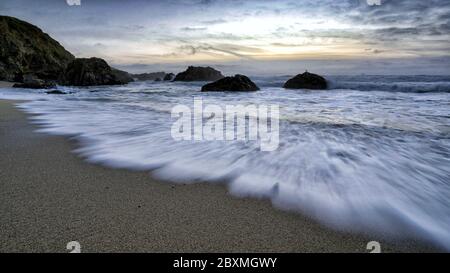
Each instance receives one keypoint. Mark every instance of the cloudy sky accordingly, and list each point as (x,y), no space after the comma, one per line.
(251,36)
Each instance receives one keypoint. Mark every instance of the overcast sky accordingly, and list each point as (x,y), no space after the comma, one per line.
(252,37)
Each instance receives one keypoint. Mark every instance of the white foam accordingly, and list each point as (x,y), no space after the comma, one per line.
(364,161)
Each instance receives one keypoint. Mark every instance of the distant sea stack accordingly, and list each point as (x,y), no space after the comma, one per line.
(307,81)
(149,76)
(237,83)
(169,77)
(26,49)
(92,71)
(199,74)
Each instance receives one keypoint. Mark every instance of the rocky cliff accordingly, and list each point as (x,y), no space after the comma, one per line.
(26,49)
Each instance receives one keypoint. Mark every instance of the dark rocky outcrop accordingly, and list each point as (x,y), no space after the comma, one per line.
(122,76)
(26,49)
(91,72)
(306,81)
(32,82)
(236,83)
(158,80)
(169,77)
(199,74)
(56,92)
(149,76)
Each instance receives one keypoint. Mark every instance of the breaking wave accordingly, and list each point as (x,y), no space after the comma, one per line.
(350,158)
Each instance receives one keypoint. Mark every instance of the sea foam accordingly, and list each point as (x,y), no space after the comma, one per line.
(364,160)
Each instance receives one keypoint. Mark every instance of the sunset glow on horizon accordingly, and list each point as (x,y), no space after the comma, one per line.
(160,33)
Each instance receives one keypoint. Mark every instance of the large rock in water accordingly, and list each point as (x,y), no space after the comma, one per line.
(236,83)
(199,74)
(91,72)
(25,49)
(306,81)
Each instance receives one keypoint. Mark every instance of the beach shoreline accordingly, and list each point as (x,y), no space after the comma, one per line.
(4,84)
(50,197)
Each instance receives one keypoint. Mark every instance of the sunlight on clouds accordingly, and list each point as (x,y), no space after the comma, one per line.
(203,31)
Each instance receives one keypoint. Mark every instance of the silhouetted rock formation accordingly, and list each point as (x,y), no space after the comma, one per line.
(169,77)
(122,76)
(236,83)
(306,81)
(56,92)
(92,71)
(149,76)
(199,74)
(25,49)
(32,82)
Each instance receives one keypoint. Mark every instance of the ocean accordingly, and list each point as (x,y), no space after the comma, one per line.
(372,154)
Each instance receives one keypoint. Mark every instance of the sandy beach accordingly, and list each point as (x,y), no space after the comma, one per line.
(4,84)
(49,197)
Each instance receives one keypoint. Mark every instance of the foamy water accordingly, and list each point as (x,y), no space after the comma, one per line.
(371,154)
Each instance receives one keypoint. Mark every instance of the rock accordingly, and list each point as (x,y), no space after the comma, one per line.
(158,80)
(32,82)
(41,85)
(199,74)
(149,76)
(169,77)
(236,83)
(25,49)
(306,81)
(122,76)
(56,92)
(91,72)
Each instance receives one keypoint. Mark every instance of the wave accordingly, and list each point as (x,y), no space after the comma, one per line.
(413,87)
(364,161)
(412,84)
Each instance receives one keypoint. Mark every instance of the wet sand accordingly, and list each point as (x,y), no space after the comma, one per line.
(49,197)
(6,84)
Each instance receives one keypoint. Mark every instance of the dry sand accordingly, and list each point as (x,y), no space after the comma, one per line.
(49,196)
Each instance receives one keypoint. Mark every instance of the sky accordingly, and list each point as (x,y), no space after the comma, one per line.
(254,37)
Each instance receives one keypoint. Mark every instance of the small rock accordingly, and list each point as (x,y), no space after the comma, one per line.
(56,92)
(148,76)
(199,74)
(236,83)
(306,81)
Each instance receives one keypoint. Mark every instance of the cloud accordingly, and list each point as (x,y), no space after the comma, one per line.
(193,28)
(233,50)
(243,30)
(214,22)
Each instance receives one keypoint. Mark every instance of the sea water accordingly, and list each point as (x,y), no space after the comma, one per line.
(370,154)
